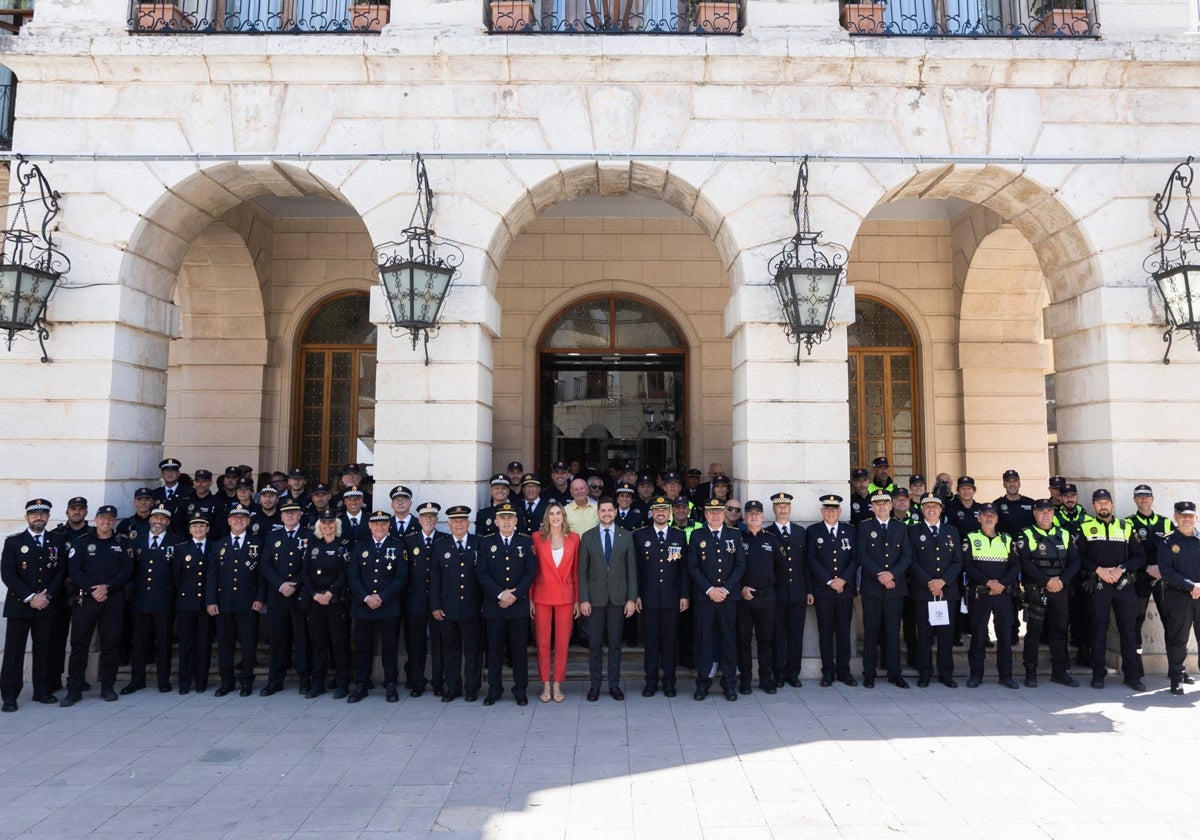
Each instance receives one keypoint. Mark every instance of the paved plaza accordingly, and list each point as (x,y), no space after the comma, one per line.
(805,763)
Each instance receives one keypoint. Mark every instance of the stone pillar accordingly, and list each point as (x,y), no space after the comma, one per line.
(1123,416)
(433,423)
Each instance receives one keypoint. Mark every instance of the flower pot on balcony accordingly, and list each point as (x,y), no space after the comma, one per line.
(1064,22)
(511,15)
(863,18)
(369,17)
(716,16)
(156,16)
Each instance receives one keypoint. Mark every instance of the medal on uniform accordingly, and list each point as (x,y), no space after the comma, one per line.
(520,552)
(278,543)
(647,544)
(366,554)
(389,567)
(922,538)
(729,546)
(494,549)
(447,555)
(874,535)
(24,565)
(674,552)
(389,554)
(820,541)
(1175,548)
(845,544)
(703,544)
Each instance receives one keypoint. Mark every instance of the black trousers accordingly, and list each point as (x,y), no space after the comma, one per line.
(983,607)
(12,672)
(365,631)
(788,653)
(60,638)
(237,629)
(927,634)
(1123,604)
(195,649)
(422,640)
(1053,617)
(87,617)
(908,629)
(1081,624)
(289,639)
(715,624)
(1183,621)
(835,621)
(1158,592)
(661,628)
(463,666)
(514,631)
(146,626)
(327,630)
(757,618)
(881,619)
(607,621)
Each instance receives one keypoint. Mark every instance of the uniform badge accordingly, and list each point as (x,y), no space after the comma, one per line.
(416,551)
(647,545)
(366,554)
(1142,533)
(494,549)
(1004,508)
(1175,548)
(24,549)
(447,555)
(24,565)
(389,567)
(922,538)
(250,564)
(91,548)
(278,543)
(820,541)
(487,522)
(874,535)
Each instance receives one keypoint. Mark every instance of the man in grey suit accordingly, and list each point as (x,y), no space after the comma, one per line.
(607,593)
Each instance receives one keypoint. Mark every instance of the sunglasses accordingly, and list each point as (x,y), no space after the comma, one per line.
(733,509)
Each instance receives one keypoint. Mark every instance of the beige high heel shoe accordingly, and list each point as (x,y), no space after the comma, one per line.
(558,695)
(545,698)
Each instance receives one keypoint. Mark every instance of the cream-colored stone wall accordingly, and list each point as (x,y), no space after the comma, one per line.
(669,261)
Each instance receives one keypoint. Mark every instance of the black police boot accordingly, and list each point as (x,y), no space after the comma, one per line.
(1030,677)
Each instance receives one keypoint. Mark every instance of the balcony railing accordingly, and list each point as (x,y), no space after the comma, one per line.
(973,18)
(257,17)
(8,101)
(613,17)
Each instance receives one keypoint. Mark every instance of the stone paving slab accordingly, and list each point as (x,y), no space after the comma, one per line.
(811,762)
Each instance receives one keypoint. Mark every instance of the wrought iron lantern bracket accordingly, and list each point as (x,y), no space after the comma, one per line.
(1175,262)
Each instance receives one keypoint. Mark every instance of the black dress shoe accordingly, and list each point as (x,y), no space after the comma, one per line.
(183,690)
(826,682)
(108,695)
(200,689)
(700,694)
(357,694)
(669,692)
(489,700)
(340,692)
(593,695)
(45,698)
(648,691)
(744,687)
(164,688)
(245,691)
(922,682)
(899,682)
(305,686)
(269,690)
(471,696)
(949,682)
(87,686)
(1176,689)
(331,683)
(974,682)
(1065,679)
(222,690)
(616,693)
(1098,683)
(416,692)
(1136,685)
(1031,681)
(448,696)
(1188,679)
(850,681)
(9,706)
(868,682)
(132,687)
(730,695)
(314,693)
(71,699)
(1009,682)
(393,693)
(768,688)
(522,700)
(794,682)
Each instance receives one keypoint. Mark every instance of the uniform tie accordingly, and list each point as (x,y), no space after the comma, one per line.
(353,521)
(662,537)
(933,530)
(156,543)
(607,546)
(460,546)
(237,543)
(428,543)
(379,546)
(506,543)
(200,547)
(716,535)
(38,540)
(784,530)
(529,508)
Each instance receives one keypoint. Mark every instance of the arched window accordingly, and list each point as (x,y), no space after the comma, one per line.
(884,405)
(612,385)
(335,399)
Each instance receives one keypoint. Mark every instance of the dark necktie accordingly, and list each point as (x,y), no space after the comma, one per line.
(607,546)
(529,508)
(933,530)
(784,530)
(833,533)
(506,543)
(428,543)
(379,546)
(237,543)
(460,547)
(157,543)
(354,522)
(38,540)
(199,548)
(717,535)
(168,495)
(662,537)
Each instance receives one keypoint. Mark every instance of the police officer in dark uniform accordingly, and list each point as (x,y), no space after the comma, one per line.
(234,595)
(793,594)
(352,477)
(506,568)
(860,499)
(880,482)
(153,599)
(531,503)
(907,511)
(937,567)
(716,565)
(560,484)
(191,566)
(99,569)
(884,553)
(456,600)
(297,490)
(203,502)
(74,529)
(963,513)
(766,565)
(32,566)
(377,574)
(402,522)
(267,518)
(324,581)
(627,516)
(662,593)
(283,560)
(990,559)
(353,517)
(1016,514)
(1111,553)
(1049,562)
(420,634)
(1069,516)
(829,549)
(485,520)
(139,521)
(1179,563)
(1151,527)
(172,494)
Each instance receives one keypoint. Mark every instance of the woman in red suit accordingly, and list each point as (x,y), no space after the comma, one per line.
(554,596)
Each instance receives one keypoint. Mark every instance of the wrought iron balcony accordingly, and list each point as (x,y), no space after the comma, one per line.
(258,17)
(973,18)
(8,101)
(614,17)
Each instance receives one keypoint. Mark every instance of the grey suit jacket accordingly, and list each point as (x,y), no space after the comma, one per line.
(614,583)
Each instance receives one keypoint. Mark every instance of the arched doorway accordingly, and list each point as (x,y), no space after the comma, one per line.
(335,393)
(611,385)
(884,414)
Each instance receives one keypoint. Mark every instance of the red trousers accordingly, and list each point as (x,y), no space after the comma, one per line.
(558,617)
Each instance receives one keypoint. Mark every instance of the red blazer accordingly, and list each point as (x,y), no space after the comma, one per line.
(555,586)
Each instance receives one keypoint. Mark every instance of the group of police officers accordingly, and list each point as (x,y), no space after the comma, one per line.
(192,564)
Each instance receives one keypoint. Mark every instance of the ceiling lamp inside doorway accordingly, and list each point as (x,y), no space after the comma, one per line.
(1175,263)
(806,275)
(417,269)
